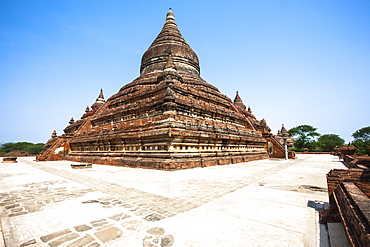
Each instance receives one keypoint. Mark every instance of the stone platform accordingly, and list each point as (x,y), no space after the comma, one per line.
(259,203)
(81,165)
(9,160)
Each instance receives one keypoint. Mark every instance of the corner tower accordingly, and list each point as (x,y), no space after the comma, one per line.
(168,118)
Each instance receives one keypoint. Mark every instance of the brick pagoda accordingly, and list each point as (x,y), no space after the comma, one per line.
(167,118)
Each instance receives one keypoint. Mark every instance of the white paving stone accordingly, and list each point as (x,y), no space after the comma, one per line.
(271,208)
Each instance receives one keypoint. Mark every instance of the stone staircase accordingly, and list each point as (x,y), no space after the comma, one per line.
(49,154)
(277,144)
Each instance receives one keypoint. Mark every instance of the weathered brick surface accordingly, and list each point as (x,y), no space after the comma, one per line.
(346,150)
(349,192)
(354,208)
(360,177)
(168,118)
(354,161)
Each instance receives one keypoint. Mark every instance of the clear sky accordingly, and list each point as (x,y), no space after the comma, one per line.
(293,62)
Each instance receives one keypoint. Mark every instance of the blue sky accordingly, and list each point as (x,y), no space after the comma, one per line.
(293,62)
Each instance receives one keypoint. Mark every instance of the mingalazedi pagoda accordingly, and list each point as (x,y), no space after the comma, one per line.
(168,118)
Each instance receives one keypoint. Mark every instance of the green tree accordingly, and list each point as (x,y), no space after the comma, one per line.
(362,140)
(28,147)
(362,134)
(328,142)
(304,136)
(35,148)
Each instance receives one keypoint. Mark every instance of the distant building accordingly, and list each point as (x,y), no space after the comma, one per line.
(167,118)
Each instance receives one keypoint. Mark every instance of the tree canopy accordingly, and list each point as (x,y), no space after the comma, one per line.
(328,142)
(362,134)
(28,147)
(362,140)
(305,135)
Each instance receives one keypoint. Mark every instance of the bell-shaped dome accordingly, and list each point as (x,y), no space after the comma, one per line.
(170,42)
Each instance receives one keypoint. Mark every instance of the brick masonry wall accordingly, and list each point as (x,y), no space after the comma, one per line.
(181,162)
(354,209)
(354,161)
(360,177)
(349,159)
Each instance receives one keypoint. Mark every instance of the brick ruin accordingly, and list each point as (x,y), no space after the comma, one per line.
(167,118)
(349,202)
(345,150)
(356,161)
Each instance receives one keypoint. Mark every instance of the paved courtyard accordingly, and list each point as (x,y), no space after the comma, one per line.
(261,203)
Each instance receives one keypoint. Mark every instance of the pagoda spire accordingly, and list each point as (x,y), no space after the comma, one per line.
(170,15)
(100,98)
(237,98)
(54,134)
(283,129)
(239,102)
(99,101)
(169,30)
(170,41)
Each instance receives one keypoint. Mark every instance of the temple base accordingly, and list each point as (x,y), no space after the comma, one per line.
(166,162)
